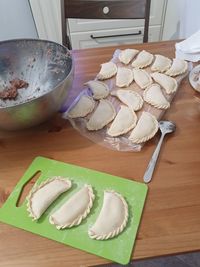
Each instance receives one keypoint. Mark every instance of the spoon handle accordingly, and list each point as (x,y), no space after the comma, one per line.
(151,166)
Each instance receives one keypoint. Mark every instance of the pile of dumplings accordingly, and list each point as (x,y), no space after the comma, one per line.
(154,87)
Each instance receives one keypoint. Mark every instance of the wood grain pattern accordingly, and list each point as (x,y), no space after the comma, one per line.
(171,218)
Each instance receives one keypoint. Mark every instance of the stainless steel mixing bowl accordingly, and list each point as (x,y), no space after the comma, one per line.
(47,67)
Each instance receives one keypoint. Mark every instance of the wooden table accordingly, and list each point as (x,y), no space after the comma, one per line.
(171,218)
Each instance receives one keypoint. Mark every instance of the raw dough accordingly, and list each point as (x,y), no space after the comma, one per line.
(124,77)
(154,96)
(178,67)
(124,121)
(142,78)
(143,60)
(130,98)
(108,70)
(168,83)
(112,218)
(42,196)
(145,129)
(127,55)
(103,114)
(161,63)
(74,210)
(82,108)
(99,89)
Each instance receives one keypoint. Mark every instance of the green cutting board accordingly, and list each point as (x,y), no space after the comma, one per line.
(117,249)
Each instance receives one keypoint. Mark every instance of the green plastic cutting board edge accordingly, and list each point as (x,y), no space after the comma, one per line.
(118,249)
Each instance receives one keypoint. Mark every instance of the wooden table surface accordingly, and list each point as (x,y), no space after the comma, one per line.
(171,218)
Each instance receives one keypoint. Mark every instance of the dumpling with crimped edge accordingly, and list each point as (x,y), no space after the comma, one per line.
(161,63)
(112,218)
(142,78)
(154,96)
(179,66)
(108,70)
(82,108)
(74,210)
(145,129)
(127,55)
(142,60)
(124,77)
(43,195)
(99,89)
(124,122)
(168,83)
(130,98)
(104,113)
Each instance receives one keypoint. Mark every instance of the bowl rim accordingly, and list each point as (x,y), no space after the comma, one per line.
(40,40)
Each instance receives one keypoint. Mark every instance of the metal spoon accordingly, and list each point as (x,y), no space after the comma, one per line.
(165,127)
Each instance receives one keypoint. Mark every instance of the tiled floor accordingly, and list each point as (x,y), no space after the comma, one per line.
(182,260)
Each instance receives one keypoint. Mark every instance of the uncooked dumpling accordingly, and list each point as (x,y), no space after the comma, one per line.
(161,63)
(82,108)
(127,55)
(42,196)
(168,83)
(178,67)
(124,121)
(99,89)
(145,129)
(108,70)
(130,98)
(124,77)
(103,114)
(154,96)
(142,78)
(112,218)
(74,210)
(143,60)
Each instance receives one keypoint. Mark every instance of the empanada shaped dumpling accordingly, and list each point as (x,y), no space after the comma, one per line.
(42,196)
(124,77)
(145,129)
(143,60)
(127,55)
(99,89)
(108,70)
(82,108)
(168,83)
(112,218)
(130,98)
(161,63)
(103,114)
(179,66)
(154,96)
(142,78)
(124,121)
(74,210)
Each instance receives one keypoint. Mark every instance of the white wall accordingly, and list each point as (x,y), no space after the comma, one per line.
(182,19)
(16,20)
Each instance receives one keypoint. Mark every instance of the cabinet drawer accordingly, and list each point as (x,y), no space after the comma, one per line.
(156,14)
(91,39)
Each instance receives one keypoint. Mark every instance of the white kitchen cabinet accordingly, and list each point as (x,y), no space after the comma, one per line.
(85,33)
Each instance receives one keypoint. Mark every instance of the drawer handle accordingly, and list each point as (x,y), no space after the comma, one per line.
(116,35)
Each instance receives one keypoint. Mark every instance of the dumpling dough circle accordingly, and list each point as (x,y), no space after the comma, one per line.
(145,129)
(112,218)
(42,196)
(74,210)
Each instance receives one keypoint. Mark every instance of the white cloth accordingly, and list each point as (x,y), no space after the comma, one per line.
(189,49)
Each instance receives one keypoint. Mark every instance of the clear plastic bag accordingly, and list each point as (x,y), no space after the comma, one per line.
(121,143)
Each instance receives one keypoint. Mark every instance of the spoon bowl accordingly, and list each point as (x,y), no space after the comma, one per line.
(167,127)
